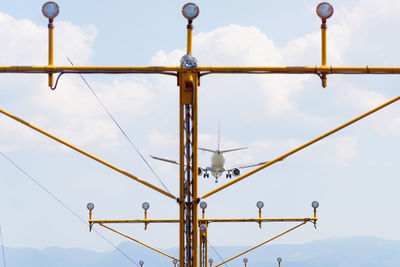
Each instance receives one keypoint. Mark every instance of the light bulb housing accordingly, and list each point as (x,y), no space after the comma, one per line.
(145,206)
(279,259)
(324,10)
(260,204)
(203,205)
(190,11)
(315,204)
(50,10)
(90,206)
(245,260)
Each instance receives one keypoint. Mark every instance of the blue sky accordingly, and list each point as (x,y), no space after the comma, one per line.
(353,174)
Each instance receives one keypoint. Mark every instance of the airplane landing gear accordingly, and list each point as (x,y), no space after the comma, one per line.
(206,175)
(228,175)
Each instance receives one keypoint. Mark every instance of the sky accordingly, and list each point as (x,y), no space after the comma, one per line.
(353,174)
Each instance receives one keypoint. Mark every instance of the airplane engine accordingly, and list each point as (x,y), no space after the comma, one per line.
(200,172)
(236,172)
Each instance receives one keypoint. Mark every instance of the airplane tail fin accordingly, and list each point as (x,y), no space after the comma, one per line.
(219,135)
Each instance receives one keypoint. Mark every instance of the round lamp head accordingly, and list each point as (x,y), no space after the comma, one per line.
(145,206)
(188,61)
(210,261)
(260,204)
(245,260)
(141,262)
(90,206)
(324,10)
(174,261)
(50,10)
(190,11)
(203,227)
(315,204)
(279,259)
(203,205)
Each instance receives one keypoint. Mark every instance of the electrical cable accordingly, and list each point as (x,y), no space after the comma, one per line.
(66,207)
(216,252)
(119,127)
(2,246)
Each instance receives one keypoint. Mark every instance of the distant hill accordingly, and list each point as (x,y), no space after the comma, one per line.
(338,252)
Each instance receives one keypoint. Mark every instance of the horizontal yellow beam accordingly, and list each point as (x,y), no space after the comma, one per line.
(280,158)
(90,69)
(259,220)
(310,70)
(87,154)
(135,221)
(162,69)
(209,220)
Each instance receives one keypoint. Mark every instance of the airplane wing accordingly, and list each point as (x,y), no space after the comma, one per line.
(166,160)
(175,162)
(206,149)
(243,166)
(230,150)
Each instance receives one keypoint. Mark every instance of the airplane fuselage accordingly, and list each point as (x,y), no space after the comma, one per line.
(217,164)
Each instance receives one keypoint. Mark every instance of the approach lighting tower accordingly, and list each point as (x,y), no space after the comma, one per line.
(193,231)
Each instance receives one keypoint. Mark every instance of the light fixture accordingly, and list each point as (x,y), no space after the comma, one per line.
(260,204)
(90,206)
(315,204)
(174,261)
(141,263)
(145,206)
(279,259)
(188,61)
(203,227)
(190,11)
(324,10)
(203,205)
(245,260)
(210,261)
(50,10)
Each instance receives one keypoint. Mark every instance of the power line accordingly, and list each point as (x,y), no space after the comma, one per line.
(216,252)
(66,207)
(2,246)
(120,128)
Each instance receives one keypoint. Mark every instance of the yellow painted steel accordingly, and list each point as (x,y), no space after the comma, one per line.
(259,245)
(195,202)
(209,220)
(137,241)
(231,70)
(323,43)
(181,175)
(189,37)
(87,154)
(136,221)
(301,147)
(51,52)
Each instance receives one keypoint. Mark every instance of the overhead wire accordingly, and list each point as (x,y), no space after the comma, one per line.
(66,207)
(216,252)
(2,247)
(120,128)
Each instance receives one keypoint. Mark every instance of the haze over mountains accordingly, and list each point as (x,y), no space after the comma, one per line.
(338,252)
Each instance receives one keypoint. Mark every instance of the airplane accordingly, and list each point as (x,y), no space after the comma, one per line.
(217,163)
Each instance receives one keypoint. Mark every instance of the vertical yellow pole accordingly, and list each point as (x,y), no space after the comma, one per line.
(323,42)
(181,175)
(189,37)
(195,202)
(51,51)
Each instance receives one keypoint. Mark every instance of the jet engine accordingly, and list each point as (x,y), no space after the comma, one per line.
(200,172)
(236,172)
